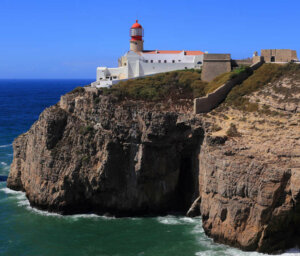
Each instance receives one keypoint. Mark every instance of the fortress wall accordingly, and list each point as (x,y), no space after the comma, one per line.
(242,62)
(281,55)
(212,100)
(214,65)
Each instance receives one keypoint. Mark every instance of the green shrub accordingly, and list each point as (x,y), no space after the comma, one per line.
(87,130)
(85,159)
(77,90)
(260,77)
(216,128)
(176,84)
(96,100)
(232,131)
(217,82)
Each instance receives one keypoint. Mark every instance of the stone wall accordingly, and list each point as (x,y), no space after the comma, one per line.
(279,55)
(214,65)
(212,100)
(241,62)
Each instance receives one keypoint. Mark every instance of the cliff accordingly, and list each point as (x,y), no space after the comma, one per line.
(238,165)
(90,153)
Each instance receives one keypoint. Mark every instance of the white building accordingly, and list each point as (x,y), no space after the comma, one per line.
(138,62)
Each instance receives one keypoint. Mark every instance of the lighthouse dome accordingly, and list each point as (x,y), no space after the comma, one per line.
(136,25)
(136,32)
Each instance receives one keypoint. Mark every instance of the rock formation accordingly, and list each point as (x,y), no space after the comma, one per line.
(92,153)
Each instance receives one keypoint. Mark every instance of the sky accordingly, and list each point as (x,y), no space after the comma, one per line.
(70,38)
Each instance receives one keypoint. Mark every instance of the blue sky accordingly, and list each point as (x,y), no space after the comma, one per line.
(69,39)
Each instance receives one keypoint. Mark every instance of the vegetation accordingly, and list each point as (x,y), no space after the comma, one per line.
(232,131)
(77,90)
(223,78)
(175,84)
(86,129)
(216,128)
(218,81)
(85,159)
(182,84)
(262,76)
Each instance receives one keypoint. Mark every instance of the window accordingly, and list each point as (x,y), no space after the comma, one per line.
(173,61)
(185,67)
(199,62)
(165,61)
(151,61)
(179,60)
(146,61)
(159,61)
(114,77)
(273,59)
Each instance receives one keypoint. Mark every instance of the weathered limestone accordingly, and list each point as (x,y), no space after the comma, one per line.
(91,153)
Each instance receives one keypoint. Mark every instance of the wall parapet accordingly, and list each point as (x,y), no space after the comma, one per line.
(213,99)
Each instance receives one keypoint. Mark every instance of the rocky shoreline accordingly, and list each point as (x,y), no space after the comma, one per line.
(91,153)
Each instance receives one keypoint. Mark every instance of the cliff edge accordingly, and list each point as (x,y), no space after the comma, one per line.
(237,165)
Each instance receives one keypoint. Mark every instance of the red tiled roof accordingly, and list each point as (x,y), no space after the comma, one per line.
(173,52)
(193,53)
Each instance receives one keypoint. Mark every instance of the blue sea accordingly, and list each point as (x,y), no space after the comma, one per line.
(25,231)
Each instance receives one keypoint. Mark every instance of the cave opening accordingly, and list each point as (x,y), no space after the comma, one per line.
(188,184)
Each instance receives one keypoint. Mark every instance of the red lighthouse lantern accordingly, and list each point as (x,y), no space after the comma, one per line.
(136,34)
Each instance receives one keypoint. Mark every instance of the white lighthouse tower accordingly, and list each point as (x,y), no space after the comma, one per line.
(136,40)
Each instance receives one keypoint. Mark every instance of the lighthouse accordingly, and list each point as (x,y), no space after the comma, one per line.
(138,62)
(136,40)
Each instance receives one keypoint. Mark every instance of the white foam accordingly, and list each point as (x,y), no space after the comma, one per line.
(197,229)
(168,220)
(12,192)
(24,202)
(5,146)
(189,220)
(3,163)
(292,252)
(229,251)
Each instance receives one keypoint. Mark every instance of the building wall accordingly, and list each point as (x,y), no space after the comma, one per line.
(280,55)
(152,68)
(169,58)
(133,65)
(214,65)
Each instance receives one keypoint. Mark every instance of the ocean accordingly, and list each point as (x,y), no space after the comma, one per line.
(25,231)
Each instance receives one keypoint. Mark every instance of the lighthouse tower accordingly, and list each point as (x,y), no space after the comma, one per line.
(136,40)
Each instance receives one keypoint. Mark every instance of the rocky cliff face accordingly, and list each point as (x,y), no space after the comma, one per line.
(249,179)
(90,153)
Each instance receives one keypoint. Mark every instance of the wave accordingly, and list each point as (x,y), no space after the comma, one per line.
(11,192)
(24,202)
(210,248)
(174,220)
(3,163)
(5,146)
